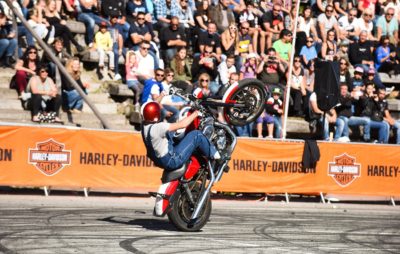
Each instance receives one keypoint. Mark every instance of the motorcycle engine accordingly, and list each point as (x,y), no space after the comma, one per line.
(207,127)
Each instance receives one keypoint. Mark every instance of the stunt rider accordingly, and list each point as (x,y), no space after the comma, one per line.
(161,148)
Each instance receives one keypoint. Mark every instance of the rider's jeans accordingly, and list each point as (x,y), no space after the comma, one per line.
(194,140)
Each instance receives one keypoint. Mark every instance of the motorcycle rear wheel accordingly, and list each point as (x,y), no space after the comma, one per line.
(251,95)
(182,211)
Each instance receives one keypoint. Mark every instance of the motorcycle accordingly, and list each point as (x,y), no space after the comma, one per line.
(184,195)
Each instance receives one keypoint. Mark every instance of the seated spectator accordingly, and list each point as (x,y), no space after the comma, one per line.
(245,44)
(202,17)
(251,15)
(308,52)
(323,118)
(88,14)
(116,9)
(146,66)
(70,95)
(364,23)
(225,69)
(181,68)
(307,24)
(133,8)
(206,63)
(230,40)
(186,19)
(171,38)
(164,11)
(384,107)
(212,39)
(272,22)
(132,81)
(171,103)
(222,15)
(297,87)
(8,43)
(249,68)
(40,25)
(270,70)
(347,25)
(104,45)
(358,83)
(116,32)
(283,47)
(327,21)
(138,32)
(386,58)
(272,116)
(344,74)
(343,51)
(342,8)
(45,92)
(61,30)
(329,47)
(26,67)
(388,26)
(202,89)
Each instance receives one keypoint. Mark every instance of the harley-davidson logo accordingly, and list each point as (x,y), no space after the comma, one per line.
(344,170)
(49,157)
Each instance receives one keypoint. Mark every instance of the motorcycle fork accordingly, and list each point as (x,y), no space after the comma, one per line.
(188,190)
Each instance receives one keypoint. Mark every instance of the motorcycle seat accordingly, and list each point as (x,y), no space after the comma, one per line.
(169,176)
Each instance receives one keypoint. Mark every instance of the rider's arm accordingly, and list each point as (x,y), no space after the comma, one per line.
(184,122)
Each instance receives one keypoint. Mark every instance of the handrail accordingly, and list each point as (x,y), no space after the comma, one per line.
(60,66)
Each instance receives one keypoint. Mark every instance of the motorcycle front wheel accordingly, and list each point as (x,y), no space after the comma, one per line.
(247,99)
(182,211)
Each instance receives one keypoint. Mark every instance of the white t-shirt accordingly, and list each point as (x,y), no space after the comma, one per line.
(145,64)
(158,137)
(344,23)
(362,26)
(329,23)
(306,26)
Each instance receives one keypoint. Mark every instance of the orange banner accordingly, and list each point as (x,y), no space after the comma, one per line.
(77,158)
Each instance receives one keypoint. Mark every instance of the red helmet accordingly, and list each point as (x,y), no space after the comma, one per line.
(151,112)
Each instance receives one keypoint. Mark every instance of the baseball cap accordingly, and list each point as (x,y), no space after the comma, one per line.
(371,71)
(103,24)
(276,90)
(359,69)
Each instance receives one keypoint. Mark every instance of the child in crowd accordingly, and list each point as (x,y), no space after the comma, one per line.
(104,45)
(272,115)
(131,66)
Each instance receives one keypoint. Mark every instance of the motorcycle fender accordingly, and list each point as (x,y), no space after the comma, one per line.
(192,168)
(164,197)
(229,92)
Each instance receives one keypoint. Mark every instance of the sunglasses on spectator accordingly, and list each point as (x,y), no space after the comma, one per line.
(389,14)
(145,48)
(297,60)
(329,10)
(311,41)
(367,15)
(352,15)
(170,75)
(276,9)
(32,52)
(245,28)
(204,80)
(43,71)
(159,75)
(140,18)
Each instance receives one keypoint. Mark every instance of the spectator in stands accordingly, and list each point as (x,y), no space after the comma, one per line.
(171,38)
(273,24)
(164,11)
(366,4)
(290,19)
(202,89)
(181,68)
(116,9)
(61,30)
(308,52)
(8,43)
(389,26)
(70,95)
(230,40)
(26,67)
(343,51)
(344,74)
(118,43)
(212,39)
(245,44)
(205,63)
(370,108)
(171,103)
(270,70)
(386,58)
(297,87)
(321,5)
(283,47)
(344,113)
(202,16)
(343,7)
(88,13)
(132,81)
(347,25)
(40,25)
(307,24)
(383,106)
(327,21)
(104,45)
(134,7)
(186,19)
(249,68)
(323,118)
(364,23)
(146,67)
(222,15)
(272,116)
(44,90)
(329,47)
(357,83)
(252,15)
(225,69)
(138,32)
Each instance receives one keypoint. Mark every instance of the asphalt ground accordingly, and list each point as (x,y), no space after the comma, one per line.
(114,224)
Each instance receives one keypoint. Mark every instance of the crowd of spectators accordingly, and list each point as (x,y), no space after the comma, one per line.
(203,46)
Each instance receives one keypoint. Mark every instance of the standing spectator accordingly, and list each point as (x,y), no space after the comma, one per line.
(132,81)
(26,67)
(222,15)
(386,58)
(104,45)
(364,23)
(181,67)
(347,25)
(297,87)
(383,106)
(61,30)
(273,24)
(43,90)
(283,47)
(225,69)
(71,97)
(329,47)
(171,38)
(146,67)
(88,13)
(327,21)
(8,42)
(164,11)
(272,116)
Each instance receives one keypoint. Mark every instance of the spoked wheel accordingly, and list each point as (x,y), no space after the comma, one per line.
(247,101)
(182,210)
